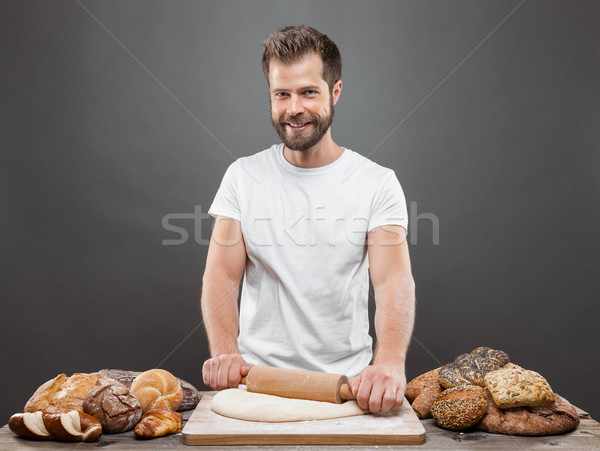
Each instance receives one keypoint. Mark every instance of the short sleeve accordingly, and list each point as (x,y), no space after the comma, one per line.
(226,202)
(390,205)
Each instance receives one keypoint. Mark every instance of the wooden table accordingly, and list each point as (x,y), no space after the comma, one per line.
(585,437)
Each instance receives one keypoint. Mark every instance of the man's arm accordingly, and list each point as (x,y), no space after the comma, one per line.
(220,288)
(381,386)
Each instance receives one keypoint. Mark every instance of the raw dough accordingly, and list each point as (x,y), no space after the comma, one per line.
(240,404)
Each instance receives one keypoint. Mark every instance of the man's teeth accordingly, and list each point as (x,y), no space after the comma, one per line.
(297,125)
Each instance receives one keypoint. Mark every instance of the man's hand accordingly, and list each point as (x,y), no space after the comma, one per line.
(224,371)
(379,387)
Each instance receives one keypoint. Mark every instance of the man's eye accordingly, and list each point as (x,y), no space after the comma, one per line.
(311,92)
(281,94)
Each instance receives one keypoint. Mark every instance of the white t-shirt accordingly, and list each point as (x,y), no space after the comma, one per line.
(306,285)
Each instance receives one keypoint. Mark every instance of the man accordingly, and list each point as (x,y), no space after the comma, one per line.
(308,221)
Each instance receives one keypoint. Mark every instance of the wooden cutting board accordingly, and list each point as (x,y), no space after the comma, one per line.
(206,427)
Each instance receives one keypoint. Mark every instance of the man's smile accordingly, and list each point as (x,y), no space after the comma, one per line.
(298,127)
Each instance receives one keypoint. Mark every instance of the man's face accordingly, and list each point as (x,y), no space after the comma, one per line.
(301,103)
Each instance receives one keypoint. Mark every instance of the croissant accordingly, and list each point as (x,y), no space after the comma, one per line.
(158,422)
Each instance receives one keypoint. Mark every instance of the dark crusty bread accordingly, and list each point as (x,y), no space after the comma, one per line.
(459,408)
(114,406)
(560,417)
(471,368)
(422,391)
(191,395)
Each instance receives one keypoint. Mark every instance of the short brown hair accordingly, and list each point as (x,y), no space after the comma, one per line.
(292,44)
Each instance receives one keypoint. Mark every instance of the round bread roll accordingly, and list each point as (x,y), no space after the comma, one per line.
(157,389)
(422,391)
(191,395)
(114,406)
(460,407)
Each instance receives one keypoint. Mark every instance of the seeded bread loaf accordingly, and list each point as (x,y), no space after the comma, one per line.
(518,387)
(459,408)
(471,368)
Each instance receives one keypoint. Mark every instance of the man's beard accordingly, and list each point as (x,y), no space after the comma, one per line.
(300,141)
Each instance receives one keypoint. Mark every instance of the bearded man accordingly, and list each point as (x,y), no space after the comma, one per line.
(306,222)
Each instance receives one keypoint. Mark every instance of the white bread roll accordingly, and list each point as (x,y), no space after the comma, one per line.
(157,389)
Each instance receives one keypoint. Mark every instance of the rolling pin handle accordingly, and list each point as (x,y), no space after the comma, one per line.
(345,392)
(243,381)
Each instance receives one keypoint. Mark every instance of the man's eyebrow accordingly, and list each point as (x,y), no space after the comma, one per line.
(303,88)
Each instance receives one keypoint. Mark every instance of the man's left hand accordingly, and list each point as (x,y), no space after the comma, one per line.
(379,387)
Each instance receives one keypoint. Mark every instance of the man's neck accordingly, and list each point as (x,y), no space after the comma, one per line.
(321,154)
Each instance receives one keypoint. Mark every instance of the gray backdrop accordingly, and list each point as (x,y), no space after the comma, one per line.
(117,114)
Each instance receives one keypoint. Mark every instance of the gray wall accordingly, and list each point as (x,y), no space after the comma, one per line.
(110,123)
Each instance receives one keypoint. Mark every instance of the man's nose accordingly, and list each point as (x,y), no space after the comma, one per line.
(295,105)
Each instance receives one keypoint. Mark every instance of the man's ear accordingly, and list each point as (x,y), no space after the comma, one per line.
(336,91)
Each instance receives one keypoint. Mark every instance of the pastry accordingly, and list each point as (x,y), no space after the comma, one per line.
(158,422)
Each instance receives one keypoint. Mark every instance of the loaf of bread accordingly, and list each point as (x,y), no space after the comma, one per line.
(559,417)
(70,426)
(422,391)
(114,406)
(157,389)
(518,387)
(471,368)
(459,408)
(191,395)
(158,422)
(65,393)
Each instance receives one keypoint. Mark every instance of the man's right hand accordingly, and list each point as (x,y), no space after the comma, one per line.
(224,371)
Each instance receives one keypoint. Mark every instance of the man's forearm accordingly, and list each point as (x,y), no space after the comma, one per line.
(394,320)
(220,314)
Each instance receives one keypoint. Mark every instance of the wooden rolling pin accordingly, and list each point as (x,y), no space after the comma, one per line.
(298,384)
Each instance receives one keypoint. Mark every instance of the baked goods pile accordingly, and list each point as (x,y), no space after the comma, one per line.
(483,390)
(81,407)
